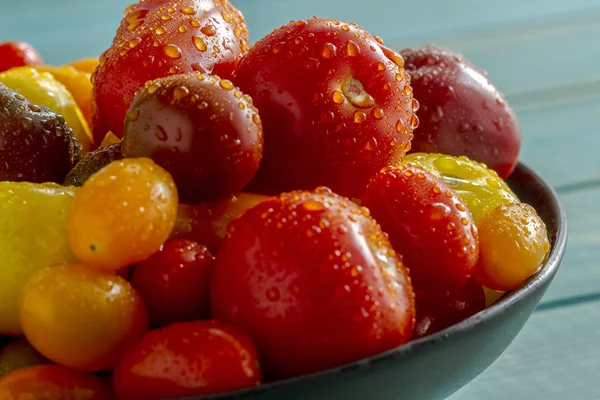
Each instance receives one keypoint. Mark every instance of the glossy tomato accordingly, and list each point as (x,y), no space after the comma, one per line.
(160,38)
(18,54)
(336,106)
(187,359)
(313,279)
(174,282)
(53,382)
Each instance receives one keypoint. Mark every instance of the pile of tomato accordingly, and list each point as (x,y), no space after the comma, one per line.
(191,215)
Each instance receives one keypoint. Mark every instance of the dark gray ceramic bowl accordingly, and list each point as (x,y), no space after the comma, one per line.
(436,366)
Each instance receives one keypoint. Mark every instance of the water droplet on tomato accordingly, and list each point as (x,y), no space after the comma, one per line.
(180,92)
(352,48)
(182,29)
(329,50)
(187,10)
(359,117)
(199,43)
(226,84)
(338,97)
(172,51)
(209,30)
(133,114)
(134,42)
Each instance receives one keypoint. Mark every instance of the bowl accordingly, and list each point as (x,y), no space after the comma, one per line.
(436,366)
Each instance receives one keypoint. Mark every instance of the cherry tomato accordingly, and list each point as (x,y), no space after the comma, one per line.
(53,382)
(19,354)
(122,214)
(481,188)
(174,282)
(36,144)
(187,359)
(81,317)
(462,113)
(437,310)
(93,162)
(199,128)
(161,38)
(18,54)
(206,223)
(336,106)
(427,223)
(514,244)
(312,278)
(87,65)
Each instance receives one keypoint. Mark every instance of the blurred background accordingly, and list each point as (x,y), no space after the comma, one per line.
(543,54)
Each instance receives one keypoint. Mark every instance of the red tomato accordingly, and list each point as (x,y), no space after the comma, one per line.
(313,279)
(18,54)
(53,382)
(187,359)
(174,282)
(427,223)
(437,310)
(336,106)
(199,128)
(163,38)
(462,112)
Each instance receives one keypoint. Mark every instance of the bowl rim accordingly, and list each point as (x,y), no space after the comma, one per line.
(506,301)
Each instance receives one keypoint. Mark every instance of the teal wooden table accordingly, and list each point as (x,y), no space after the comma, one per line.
(543,54)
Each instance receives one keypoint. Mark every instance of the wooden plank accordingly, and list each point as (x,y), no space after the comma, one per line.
(555,357)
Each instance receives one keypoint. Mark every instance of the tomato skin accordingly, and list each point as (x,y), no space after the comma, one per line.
(199,128)
(427,223)
(336,106)
(81,317)
(462,113)
(312,278)
(187,359)
(437,310)
(174,282)
(150,44)
(53,382)
(18,54)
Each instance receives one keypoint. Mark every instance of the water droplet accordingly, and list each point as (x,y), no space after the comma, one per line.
(173,69)
(378,113)
(345,28)
(313,205)
(277,47)
(338,97)
(27,123)
(371,144)
(216,49)
(256,119)
(399,77)
(407,90)
(386,86)
(202,105)
(135,24)
(379,40)
(226,84)
(393,56)
(166,17)
(34,108)
(414,121)
(180,92)
(299,24)
(209,30)
(352,48)
(399,126)
(187,10)
(153,87)
(298,40)
(499,124)
(172,51)
(460,207)
(359,117)
(464,221)
(381,66)
(123,52)
(195,23)
(161,134)
(241,105)
(182,29)
(134,42)
(329,50)
(226,16)
(133,114)
(170,10)
(199,43)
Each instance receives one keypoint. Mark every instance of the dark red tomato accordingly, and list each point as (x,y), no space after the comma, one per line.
(160,38)
(201,129)
(336,106)
(53,382)
(313,279)
(18,54)
(438,310)
(187,359)
(427,223)
(462,112)
(174,282)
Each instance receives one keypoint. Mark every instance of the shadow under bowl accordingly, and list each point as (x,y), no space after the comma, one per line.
(436,366)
